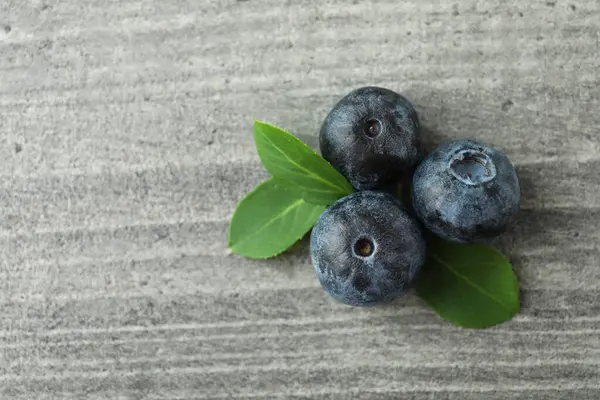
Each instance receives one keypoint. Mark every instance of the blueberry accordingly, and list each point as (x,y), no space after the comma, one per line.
(372,136)
(366,249)
(466,192)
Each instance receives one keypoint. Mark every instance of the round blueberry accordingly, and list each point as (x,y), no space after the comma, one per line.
(372,136)
(466,192)
(366,249)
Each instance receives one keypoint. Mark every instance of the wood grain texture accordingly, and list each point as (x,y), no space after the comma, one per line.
(125,143)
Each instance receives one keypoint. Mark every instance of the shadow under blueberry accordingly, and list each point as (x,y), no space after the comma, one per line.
(431,139)
(537,224)
(296,254)
(541,235)
(299,249)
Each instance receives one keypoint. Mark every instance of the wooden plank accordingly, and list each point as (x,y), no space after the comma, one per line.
(126,131)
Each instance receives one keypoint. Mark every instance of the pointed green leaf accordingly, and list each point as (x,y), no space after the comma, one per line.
(296,166)
(472,286)
(269,220)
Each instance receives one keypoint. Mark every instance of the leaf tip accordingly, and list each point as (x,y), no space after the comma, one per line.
(259,125)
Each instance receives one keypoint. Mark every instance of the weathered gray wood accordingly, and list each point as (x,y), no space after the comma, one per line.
(125,131)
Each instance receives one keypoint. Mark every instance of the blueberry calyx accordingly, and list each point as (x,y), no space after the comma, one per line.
(364,247)
(372,128)
(472,167)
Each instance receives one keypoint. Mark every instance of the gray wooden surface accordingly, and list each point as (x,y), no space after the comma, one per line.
(126,141)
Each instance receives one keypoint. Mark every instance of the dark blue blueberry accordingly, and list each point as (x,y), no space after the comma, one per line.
(372,136)
(466,192)
(366,249)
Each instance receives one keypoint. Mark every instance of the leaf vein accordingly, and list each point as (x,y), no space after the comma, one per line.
(280,215)
(315,176)
(296,183)
(474,285)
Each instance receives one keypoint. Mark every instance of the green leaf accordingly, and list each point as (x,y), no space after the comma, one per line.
(472,286)
(296,166)
(269,220)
